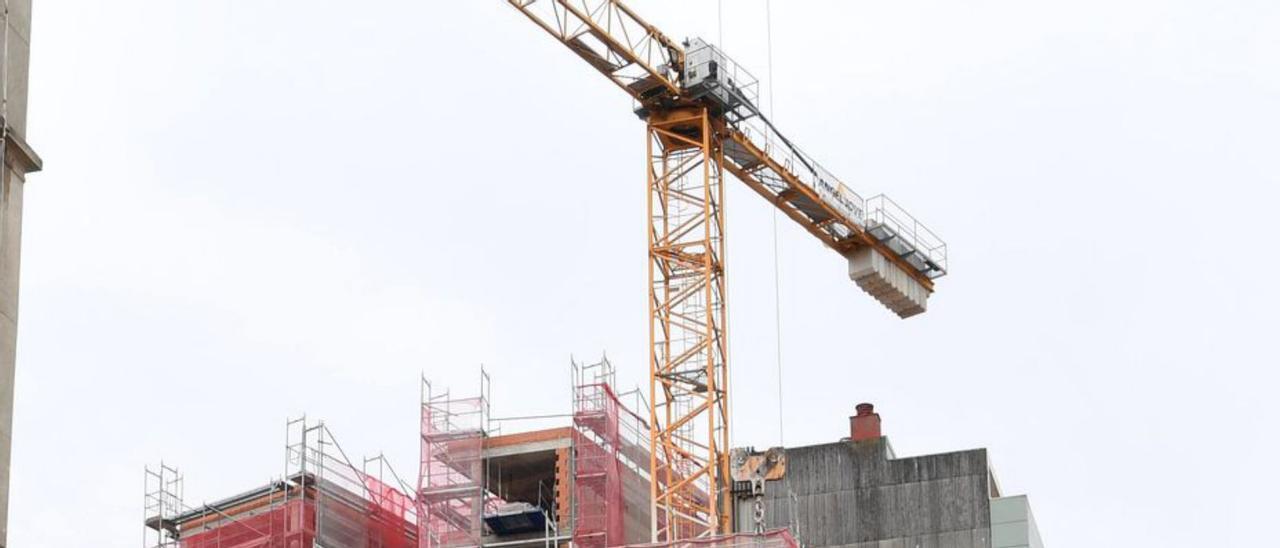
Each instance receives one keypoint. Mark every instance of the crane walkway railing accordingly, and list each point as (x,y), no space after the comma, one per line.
(829,208)
(764,158)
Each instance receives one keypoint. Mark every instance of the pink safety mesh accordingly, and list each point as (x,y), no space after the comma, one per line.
(451,496)
(597,472)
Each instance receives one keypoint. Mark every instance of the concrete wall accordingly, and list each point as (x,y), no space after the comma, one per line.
(13,71)
(635,512)
(1013,525)
(855,495)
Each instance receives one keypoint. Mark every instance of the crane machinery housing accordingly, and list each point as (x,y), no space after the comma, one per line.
(703,120)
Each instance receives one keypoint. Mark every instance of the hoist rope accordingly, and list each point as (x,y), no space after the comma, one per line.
(777,276)
(720,23)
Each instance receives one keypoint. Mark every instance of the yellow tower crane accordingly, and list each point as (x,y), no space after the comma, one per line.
(703,120)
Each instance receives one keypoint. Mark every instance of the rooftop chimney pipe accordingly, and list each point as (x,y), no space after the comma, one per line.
(866,424)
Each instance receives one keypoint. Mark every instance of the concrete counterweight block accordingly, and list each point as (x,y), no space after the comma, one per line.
(887,282)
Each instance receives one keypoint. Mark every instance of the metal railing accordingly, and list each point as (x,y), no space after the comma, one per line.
(807,170)
(879,215)
(714,74)
(921,247)
(734,86)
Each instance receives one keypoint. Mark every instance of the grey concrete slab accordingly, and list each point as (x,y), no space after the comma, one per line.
(854,494)
(13,79)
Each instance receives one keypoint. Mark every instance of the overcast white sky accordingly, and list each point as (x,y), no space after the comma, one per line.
(253,210)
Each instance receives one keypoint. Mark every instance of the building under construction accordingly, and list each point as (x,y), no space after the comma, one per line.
(587,484)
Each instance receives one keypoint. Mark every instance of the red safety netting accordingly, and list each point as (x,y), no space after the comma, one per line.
(357,509)
(380,517)
(597,471)
(387,498)
(290,525)
(388,519)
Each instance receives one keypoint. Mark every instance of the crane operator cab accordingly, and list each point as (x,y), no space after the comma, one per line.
(710,74)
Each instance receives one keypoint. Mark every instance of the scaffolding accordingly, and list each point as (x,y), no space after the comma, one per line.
(451,493)
(609,440)
(597,477)
(776,538)
(162,504)
(323,499)
(285,525)
(392,503)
